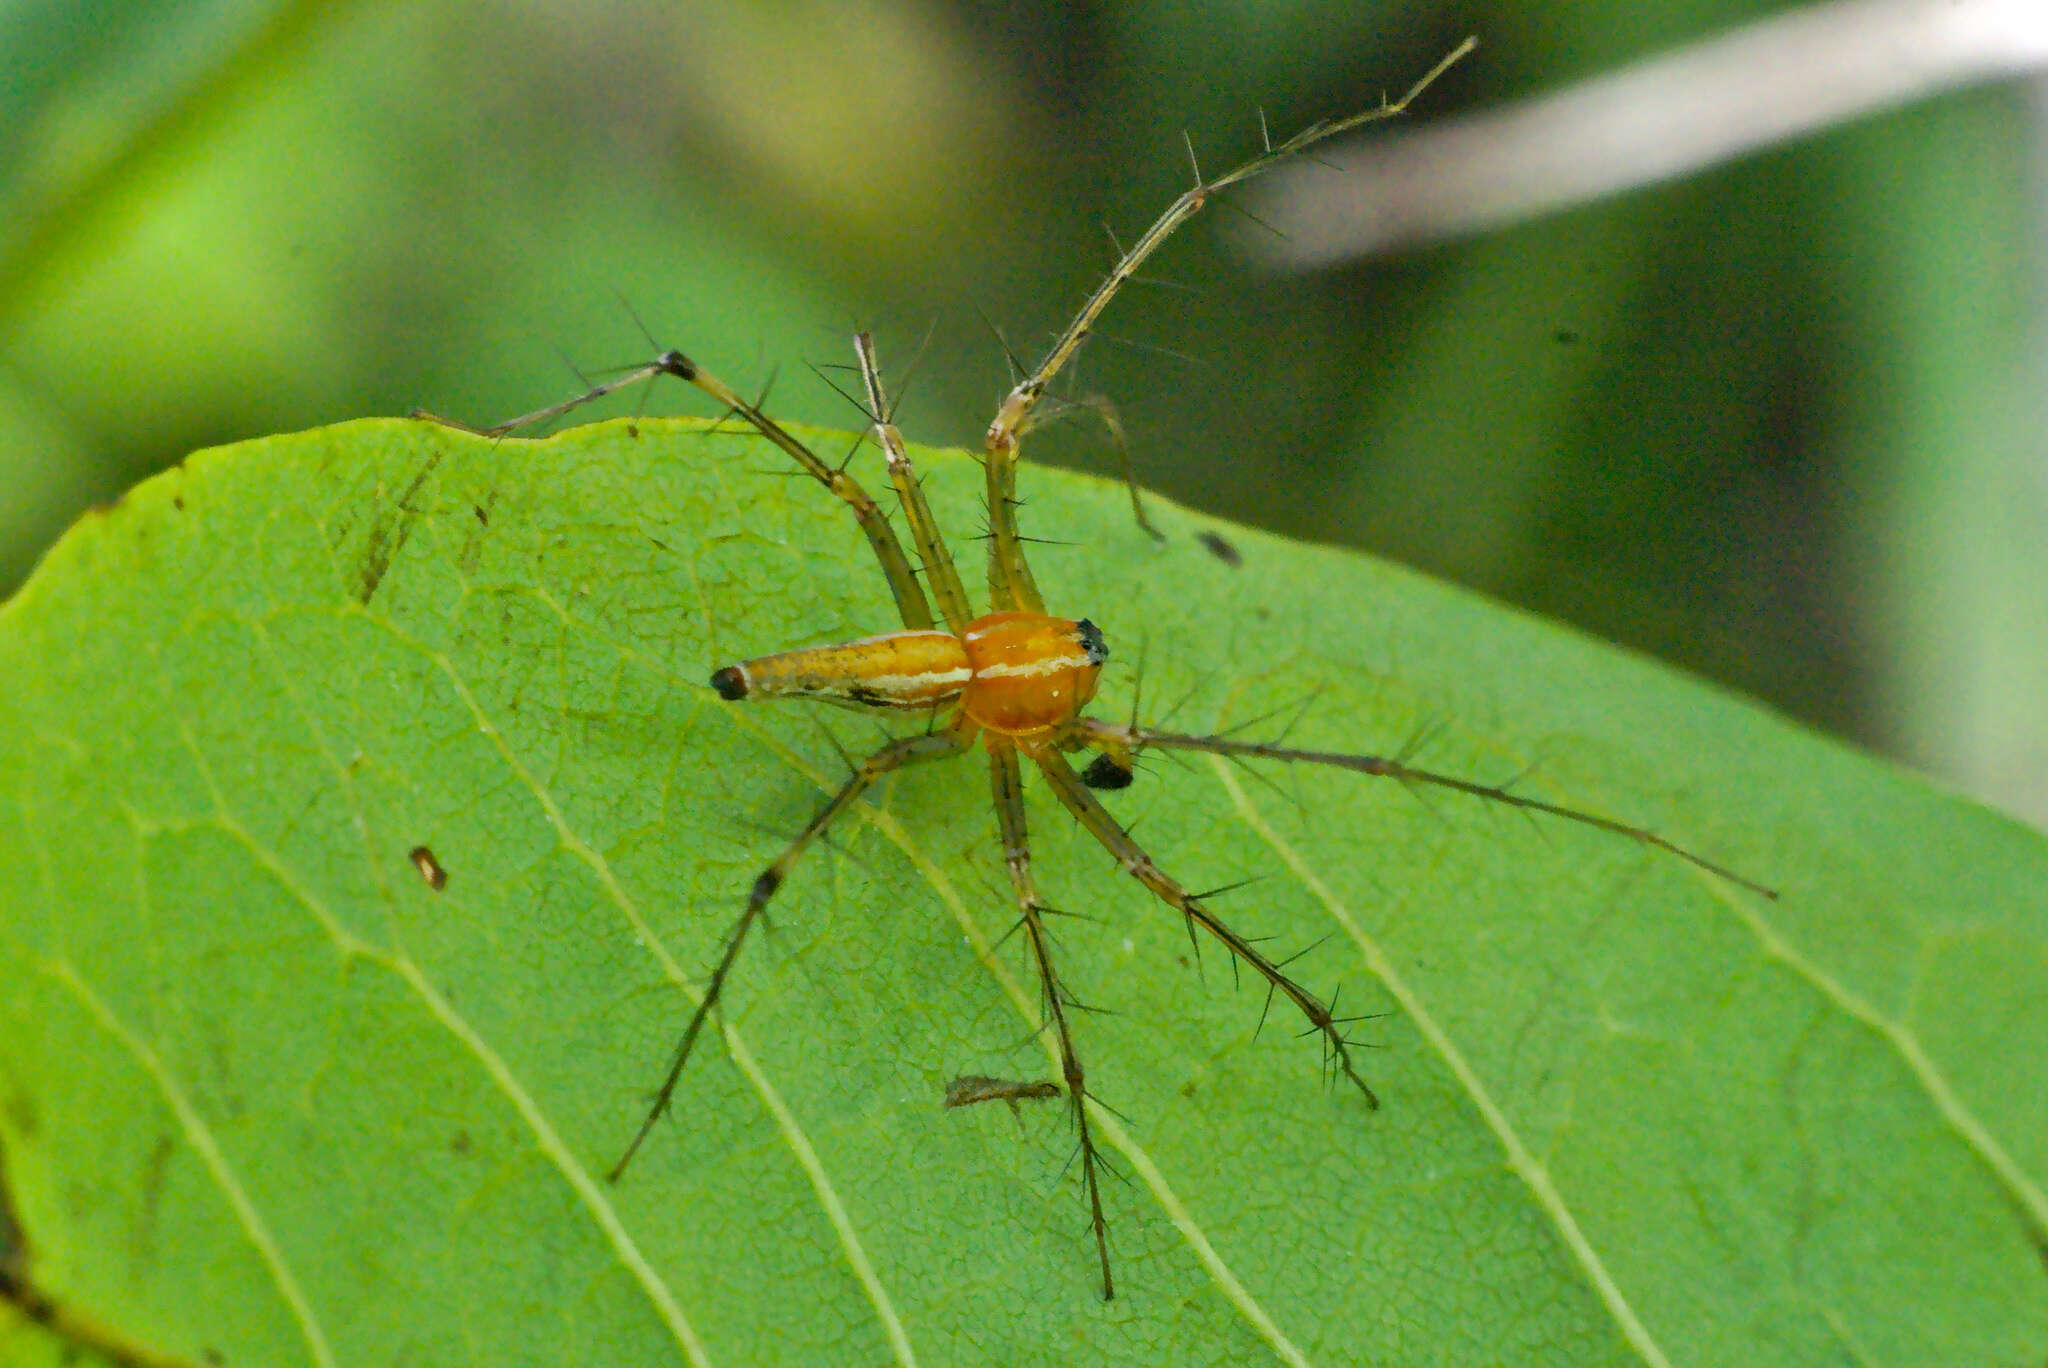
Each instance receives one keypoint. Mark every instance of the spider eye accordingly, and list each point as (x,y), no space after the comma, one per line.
(1105,773)
(1091,641)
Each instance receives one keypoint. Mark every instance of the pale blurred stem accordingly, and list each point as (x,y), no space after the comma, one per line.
(1720,98)
(195,113)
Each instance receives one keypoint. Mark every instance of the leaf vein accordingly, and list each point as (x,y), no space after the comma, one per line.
(552,1145)
(550,1140)
(1519,1156)
(200,1136)
(2023,1190)
(806,1155)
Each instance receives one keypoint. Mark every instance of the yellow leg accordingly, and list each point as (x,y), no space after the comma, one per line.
(910,600)
(1013,418)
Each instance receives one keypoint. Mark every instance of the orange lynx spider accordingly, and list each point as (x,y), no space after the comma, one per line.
(1016,680)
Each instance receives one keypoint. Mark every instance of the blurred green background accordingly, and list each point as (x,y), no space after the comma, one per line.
(1780,423)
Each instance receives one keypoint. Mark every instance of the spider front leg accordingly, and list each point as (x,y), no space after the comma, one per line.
(1006,781)
(924,528)
(911,604)
(1009,577)
(1118,842)
(910,750)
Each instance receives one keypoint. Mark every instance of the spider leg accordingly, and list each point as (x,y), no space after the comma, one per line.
(636,376)
(939,570)
(909,750)
(903,586)
(1105,412)
(1009,578)
(1123,743)
(1006,781)
(1118,842)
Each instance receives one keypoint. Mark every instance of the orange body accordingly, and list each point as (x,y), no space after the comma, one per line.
(1032,673)
(1016,674)
(917,669)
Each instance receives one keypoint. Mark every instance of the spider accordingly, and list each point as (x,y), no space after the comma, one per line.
(1015,680)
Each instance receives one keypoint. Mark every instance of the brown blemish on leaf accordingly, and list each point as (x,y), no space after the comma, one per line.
(429,867)
(388,535)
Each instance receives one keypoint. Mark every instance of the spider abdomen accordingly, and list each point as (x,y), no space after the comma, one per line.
(1030,673)
(914,669)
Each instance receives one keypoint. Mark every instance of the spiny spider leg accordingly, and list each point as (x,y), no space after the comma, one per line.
(911,605)
(1090,813)
(1006,782)
(1105,409)
(939,571)
(910,750)
(1010,578)
(1119,744)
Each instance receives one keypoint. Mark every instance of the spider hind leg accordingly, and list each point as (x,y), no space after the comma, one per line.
(1322,1019)
(1006,782)
(895,755)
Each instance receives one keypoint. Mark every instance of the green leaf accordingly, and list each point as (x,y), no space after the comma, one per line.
(26,1342)
(268,1097)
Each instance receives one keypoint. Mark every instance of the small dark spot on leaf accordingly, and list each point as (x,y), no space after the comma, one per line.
(1564,337)
(376,560)
(481,515)
(459,1143)
(1220,548)
(429,867)
(388,535)
(21,1113)
(178,502)
(13,1250)
(153,1177)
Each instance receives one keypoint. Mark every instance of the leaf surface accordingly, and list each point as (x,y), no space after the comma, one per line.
(268,1097)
